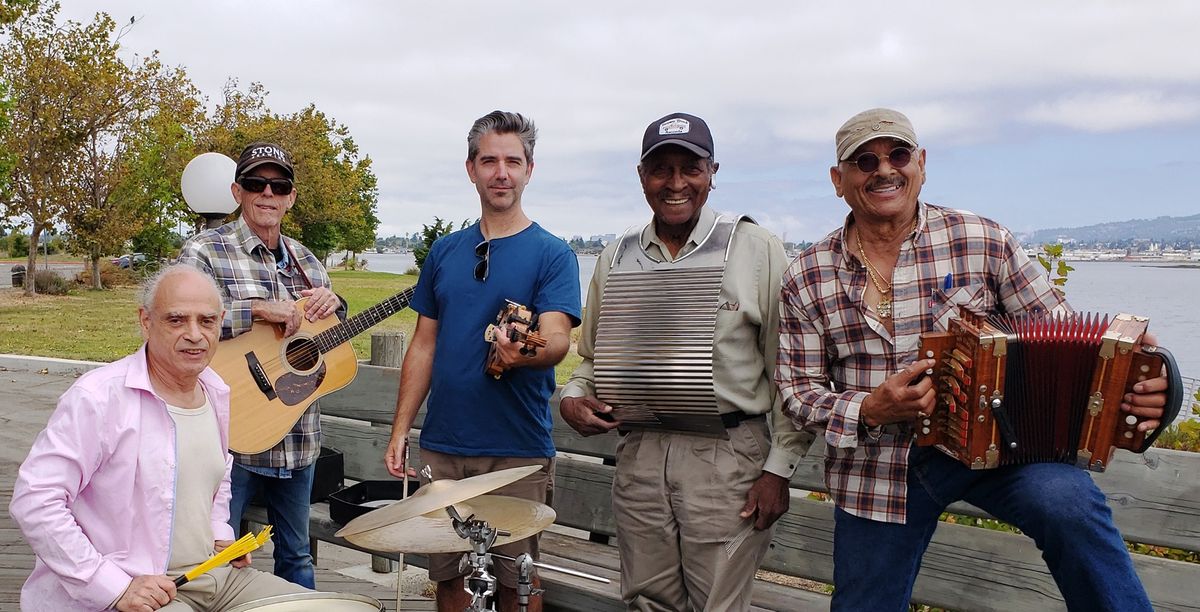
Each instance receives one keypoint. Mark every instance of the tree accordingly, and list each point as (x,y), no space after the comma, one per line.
(69,88)
(359,234)
(429,234)
(10,10)
(336,191)
(159,142)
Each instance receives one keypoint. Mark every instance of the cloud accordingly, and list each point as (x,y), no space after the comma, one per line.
(774,79)
(1115,111)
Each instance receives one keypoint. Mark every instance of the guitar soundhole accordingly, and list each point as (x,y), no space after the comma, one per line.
(303,354)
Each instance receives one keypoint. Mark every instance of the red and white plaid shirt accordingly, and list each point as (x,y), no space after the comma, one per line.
(832,354)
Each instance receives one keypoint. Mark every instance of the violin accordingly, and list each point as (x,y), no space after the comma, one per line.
(521,327)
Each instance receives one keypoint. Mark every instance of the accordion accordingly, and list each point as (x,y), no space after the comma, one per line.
(1030,388)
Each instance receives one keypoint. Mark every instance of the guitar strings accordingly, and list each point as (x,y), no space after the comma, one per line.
(334,336)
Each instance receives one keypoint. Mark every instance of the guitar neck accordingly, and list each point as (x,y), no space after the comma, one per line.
(342,332)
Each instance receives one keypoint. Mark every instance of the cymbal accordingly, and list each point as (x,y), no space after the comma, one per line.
(434,532)
(434,496)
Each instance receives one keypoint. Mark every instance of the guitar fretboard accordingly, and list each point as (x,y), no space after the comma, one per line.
(338,334)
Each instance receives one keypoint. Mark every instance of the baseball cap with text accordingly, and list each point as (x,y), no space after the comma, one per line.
(687,131)
(258,153)
(869,125)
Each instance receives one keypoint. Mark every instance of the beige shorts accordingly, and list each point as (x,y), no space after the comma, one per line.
(538,486)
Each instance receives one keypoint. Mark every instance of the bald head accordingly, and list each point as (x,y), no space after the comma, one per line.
(178,274)
(181,318)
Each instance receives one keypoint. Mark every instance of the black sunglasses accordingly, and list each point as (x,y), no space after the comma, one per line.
(256,184)
(869,162)
(484,250)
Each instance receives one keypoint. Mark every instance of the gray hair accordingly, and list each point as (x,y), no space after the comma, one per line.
(502,122)
(150,287)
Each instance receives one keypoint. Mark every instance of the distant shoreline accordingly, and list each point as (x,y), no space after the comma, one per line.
(1141,263)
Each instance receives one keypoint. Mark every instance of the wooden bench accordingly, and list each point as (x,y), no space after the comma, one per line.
(1155,500)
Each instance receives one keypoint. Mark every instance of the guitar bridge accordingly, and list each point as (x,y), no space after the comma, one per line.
(259,376)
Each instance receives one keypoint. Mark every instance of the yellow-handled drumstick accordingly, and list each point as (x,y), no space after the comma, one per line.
(247,544)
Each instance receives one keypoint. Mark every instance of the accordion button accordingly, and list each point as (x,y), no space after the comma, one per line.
(926,422)
(1129,434)
(925,430)
(1130,419)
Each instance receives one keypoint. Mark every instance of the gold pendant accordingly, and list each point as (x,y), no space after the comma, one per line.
(884,308)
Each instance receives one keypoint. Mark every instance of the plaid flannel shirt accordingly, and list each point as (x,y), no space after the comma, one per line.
(832,354)
(246,270)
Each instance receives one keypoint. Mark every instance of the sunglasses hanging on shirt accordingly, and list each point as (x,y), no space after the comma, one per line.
(484,250)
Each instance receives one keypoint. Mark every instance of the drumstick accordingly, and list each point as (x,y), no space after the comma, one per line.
(248,543)
(400,562)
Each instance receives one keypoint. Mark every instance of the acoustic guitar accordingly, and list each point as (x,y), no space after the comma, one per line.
(273,380)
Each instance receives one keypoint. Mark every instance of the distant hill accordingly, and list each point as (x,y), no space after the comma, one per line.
(1177,231)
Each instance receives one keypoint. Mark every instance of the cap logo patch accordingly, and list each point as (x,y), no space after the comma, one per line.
(267,152)
(674,126)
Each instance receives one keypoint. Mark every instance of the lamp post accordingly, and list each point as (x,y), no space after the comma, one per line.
(205,184)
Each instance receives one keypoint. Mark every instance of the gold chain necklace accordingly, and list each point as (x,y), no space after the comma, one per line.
(884,308)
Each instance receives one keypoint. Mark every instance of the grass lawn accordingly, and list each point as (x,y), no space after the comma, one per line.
(102,325)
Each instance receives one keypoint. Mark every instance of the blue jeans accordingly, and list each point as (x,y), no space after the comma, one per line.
(287,510)
(1058,505)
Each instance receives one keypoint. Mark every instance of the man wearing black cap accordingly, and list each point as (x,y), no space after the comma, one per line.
(693,509)
(262,273)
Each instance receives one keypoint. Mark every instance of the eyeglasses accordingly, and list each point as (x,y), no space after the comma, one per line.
(484,250)
(256,184)
(869,162)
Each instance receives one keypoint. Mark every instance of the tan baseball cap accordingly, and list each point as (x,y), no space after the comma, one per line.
(869,125)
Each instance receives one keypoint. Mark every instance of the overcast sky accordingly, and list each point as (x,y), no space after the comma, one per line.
(1035,113)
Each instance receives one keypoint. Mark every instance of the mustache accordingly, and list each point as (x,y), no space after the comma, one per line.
(886,182)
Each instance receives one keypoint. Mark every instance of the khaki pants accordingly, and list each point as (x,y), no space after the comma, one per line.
(538,487)
(676,500)
(226,587)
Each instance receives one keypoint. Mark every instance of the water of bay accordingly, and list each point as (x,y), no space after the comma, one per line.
(1169,295)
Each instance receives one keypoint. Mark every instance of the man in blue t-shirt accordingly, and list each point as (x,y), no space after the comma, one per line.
(475,423)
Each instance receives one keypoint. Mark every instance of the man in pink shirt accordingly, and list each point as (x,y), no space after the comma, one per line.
(128,485)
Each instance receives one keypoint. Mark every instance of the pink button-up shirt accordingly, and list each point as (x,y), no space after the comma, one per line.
(95,497)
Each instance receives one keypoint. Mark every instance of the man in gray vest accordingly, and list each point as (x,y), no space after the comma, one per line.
(681,362)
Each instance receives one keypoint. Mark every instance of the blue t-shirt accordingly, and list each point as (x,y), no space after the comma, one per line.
(468,412)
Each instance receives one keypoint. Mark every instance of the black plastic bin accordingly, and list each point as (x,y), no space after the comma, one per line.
(356,500)
(327,478)
(18,275)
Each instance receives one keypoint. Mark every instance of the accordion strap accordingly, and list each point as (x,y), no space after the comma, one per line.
(1174,396)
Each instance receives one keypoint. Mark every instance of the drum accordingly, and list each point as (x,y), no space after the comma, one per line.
(308,602)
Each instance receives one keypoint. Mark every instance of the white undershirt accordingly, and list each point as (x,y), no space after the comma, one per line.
(200,466)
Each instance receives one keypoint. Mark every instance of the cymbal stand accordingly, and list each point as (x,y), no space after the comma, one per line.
(479,583)
(525,581)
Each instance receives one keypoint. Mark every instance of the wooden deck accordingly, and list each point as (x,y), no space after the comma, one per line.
(28,399)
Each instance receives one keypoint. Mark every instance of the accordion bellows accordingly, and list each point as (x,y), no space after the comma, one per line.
(1030,388)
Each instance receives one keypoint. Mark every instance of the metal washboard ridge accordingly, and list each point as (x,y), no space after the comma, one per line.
(661,360)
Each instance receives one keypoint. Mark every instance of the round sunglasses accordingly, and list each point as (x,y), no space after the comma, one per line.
(869,162)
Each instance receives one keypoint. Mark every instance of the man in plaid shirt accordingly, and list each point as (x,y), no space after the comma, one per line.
(262,273)
(853,308)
